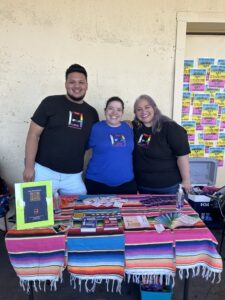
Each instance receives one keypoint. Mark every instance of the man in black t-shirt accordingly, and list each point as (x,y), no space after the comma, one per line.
(58,135)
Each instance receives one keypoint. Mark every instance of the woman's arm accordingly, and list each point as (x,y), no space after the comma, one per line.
(31,150)
(184,168)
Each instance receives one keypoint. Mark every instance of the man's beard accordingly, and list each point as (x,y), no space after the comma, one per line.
(76,99)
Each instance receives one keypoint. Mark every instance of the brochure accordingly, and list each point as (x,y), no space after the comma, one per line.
(106,201)
(132,222)
(111,223)
(88,224)
(176,219)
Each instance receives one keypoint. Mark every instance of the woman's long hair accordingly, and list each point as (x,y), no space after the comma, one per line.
(158,118)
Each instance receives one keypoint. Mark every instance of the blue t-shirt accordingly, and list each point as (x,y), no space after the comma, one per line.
(111,162)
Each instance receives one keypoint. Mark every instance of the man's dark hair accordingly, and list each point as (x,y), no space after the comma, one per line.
(76,68)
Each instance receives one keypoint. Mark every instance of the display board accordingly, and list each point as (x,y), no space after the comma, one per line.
(34,204)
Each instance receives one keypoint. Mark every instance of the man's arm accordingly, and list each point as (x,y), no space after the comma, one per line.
(183,165)
(31,148)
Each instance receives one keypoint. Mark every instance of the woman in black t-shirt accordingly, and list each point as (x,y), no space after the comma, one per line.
(161,159)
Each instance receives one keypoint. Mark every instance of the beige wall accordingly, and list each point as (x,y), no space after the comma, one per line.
(127,46)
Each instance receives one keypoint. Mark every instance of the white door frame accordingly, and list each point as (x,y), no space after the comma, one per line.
(206,22)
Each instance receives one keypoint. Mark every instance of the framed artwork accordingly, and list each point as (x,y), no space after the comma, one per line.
(34,204)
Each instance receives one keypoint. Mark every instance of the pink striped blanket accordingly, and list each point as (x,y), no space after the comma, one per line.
(195,252)
(36,255)
(149,254)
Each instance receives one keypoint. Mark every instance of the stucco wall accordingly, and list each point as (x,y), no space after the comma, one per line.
(127,46)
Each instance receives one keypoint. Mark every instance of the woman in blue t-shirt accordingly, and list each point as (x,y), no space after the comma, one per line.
(110,169)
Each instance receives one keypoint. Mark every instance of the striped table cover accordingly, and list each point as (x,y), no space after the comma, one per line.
(36,255)
(106,256)
(149,255)
(96,257)
(196,253)
(189,248)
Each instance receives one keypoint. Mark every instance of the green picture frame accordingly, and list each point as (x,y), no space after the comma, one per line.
(34,205)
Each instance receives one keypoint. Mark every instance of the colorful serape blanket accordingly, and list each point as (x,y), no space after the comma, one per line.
(94,258)
(187,248)
(64,217)
(196,253)
(36,255)
(149,256)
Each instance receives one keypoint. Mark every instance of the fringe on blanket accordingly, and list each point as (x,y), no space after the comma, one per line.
(203,271)
(151,278)
(39,284)
(89,284)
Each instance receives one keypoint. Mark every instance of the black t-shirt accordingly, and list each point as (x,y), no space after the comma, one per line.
(67,126)
(155,155)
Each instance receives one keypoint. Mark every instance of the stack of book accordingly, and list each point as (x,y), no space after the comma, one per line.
(132,222)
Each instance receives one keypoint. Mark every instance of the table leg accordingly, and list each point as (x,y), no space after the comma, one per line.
(31,292)
(186,287)
(222,238)
(5,221)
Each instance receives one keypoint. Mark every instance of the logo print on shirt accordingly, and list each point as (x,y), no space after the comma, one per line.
(118,140)
(144,140)
(75,120)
